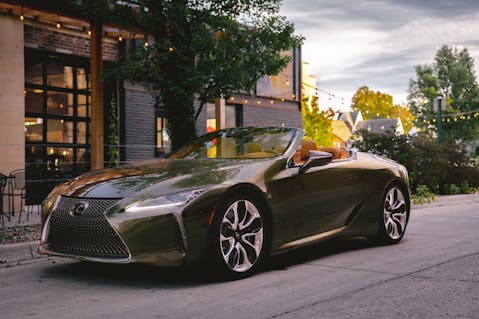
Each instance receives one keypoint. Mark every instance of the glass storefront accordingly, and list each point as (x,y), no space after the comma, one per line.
(57,122)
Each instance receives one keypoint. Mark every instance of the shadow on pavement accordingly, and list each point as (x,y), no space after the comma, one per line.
(153,277)
(317,251)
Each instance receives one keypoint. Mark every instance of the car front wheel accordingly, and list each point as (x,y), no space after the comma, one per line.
(239,236)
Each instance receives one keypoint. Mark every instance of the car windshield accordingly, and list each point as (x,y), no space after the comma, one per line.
(238,143)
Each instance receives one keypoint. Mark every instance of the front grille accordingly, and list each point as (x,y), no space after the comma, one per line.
(87,234)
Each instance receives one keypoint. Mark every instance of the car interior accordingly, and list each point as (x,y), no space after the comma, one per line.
(302,154)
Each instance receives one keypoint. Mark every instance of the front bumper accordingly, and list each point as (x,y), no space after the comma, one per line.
(92,236)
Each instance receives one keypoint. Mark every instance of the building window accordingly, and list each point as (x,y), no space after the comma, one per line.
(163,142)
(57,102)
(233,116)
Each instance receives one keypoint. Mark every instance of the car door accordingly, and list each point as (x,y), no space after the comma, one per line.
(318,200)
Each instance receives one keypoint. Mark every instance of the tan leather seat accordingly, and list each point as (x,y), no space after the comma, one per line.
(306,146)
(302,154)
(337,152)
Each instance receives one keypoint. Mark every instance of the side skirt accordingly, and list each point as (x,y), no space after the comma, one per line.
(311,239)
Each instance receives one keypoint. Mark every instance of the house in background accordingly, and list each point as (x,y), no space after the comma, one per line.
(349,123)
(382,126)
(351,119)
(342,133)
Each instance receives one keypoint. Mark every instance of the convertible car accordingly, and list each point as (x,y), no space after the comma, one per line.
(229,199)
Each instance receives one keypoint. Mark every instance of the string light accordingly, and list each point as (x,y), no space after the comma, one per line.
(120,38)
(171,49)
(58,25)
(89,32)
(22,17)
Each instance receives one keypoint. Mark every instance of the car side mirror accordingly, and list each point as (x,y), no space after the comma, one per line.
(316,158)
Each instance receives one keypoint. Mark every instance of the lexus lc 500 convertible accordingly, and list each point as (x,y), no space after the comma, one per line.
(231,198)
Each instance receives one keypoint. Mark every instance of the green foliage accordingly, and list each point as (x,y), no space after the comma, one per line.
(427,163)
(423,195)
(451,75)
(374,104)
(463,188)
(113,154)
(317,124)
(207,49)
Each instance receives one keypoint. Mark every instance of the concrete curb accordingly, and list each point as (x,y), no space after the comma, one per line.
(19,253)
(449,199)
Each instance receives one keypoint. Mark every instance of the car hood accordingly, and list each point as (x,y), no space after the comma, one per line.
(165,176)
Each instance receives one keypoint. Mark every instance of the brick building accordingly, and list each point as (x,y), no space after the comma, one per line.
(55,110)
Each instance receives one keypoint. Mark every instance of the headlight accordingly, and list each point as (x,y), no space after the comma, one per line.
(166,201)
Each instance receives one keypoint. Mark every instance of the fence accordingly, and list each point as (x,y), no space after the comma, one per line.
(47,165)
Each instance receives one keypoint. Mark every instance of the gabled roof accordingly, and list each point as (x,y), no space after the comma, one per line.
(349,118)
(381,126)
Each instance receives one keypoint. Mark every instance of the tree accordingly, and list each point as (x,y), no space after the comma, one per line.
(451,76)
(208,49)
(317,124)
(374,104)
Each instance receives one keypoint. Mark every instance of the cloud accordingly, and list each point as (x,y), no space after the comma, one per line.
(352,43)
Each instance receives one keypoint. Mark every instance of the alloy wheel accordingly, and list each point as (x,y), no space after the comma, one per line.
(395,213)
(241,235)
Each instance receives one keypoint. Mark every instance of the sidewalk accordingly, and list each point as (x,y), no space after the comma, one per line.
(24,252)
(33,219)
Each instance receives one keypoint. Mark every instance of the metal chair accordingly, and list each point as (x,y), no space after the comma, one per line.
(3,184)
(17,189)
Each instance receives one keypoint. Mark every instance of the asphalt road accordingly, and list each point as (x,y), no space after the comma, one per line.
(432,273)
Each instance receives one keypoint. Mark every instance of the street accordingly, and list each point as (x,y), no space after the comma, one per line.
(432,273)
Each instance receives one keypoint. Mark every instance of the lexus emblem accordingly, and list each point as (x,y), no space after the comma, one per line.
(79,208)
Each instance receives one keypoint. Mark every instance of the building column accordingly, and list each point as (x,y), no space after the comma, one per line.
(96,116)
(220,113)
(12,98)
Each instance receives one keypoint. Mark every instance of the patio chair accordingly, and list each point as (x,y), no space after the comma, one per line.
(3,184)
(17,189)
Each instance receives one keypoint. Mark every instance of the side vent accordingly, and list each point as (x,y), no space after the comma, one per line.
(354,213)
(179,242)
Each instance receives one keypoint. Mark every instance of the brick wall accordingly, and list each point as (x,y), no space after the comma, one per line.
(66,42)
(139,125)
(271,116)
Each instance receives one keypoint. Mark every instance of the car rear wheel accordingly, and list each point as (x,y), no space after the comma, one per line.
(394,214)
(239,236)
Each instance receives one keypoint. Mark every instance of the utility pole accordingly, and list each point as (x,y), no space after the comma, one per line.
(439,120)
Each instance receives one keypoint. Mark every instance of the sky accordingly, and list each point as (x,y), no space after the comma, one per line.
(378,43)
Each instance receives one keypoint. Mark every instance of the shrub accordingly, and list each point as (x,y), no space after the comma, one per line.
(428,164)
(423,195)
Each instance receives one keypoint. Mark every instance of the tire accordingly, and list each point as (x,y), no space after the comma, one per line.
(394,214)
(239,238)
